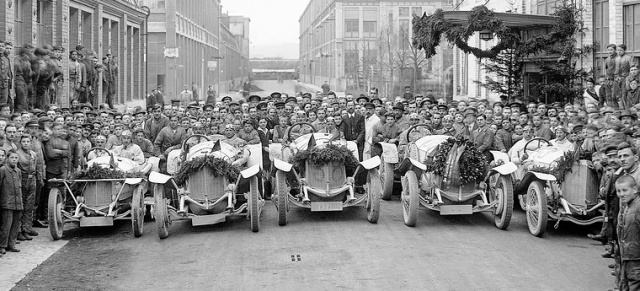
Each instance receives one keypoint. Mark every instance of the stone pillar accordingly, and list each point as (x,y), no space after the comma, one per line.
(61,21)
(616,22)
(99,29)
(32,19)
(171,89)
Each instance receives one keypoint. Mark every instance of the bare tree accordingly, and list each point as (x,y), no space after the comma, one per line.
(387,59)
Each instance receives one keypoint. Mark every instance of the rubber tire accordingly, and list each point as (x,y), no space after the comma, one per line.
(503,220)
(137,211)
(282,198)
(374,192)
(538,227)
(254,211)
(387,180)
(410,198)
(161,212)
(56,220)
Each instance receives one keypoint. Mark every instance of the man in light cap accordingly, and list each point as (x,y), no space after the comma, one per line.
(232,138)
(128,149)
(561,140)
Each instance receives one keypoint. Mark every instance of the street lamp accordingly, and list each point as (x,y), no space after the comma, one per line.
(486,35)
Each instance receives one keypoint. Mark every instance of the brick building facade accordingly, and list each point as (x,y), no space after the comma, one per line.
(115,26)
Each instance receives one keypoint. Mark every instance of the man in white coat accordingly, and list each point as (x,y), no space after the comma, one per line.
(370,121)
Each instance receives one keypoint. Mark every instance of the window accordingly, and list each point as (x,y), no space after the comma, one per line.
(632,28)
(404,11)
(369,28)
(351,28)
(391,21)
(546,7)
(600,33)
(352,23)
(416,11)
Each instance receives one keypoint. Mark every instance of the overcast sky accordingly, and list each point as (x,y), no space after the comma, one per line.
(274,28)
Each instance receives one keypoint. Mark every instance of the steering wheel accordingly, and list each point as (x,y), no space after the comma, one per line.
(524,155)
(97,148)
(414,127)
(288,137)
(192,136)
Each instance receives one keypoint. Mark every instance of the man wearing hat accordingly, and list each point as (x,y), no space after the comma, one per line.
(401,121)
(628,119)
(387,132)
(128,149)
(362,99)
(483,137)
(84,145)
(561,140)
(155,124)
(226,100)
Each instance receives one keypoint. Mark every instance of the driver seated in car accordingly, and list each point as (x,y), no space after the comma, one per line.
(232,138)
(517,150)
(128,149)
(330,128)
(561,140)
(96,153)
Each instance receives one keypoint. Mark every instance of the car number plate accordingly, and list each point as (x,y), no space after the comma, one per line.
(326,206)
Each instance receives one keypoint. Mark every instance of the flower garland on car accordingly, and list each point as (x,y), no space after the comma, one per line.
(219,167)
(325,155)
(559,168)
(472,163)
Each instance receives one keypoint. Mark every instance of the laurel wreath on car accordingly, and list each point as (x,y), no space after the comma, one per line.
(472,163)
(322,156)
(218,167)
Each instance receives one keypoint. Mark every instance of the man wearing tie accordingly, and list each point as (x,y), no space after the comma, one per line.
(354,129)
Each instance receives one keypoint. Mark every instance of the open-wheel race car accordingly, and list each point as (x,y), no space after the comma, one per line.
(322,173)
(555,185)
(453,180)
(208,186)
(112,188)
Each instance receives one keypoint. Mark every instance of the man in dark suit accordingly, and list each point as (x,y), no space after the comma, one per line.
(354,127)
(483,137)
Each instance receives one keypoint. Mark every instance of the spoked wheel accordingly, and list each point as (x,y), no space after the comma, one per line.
(137,211)
(56,220)
(386,173)
(161,212)
(374,192)
(503,193)
(282,198)
(410,198)
(536,208)
(254,207)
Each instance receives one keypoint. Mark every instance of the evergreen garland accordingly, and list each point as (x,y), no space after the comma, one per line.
(559,168)
(472,163)
(99,172)
(323,156)
(219,167)
(428,32)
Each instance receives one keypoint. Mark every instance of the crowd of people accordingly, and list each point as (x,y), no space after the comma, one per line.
(40,141)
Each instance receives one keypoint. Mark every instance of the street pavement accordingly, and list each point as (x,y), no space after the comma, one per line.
(328,251)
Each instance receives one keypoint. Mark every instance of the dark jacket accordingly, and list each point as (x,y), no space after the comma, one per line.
(57,154)
(10,188)
(629,231)
(483,138)
(152,127)
(354,128)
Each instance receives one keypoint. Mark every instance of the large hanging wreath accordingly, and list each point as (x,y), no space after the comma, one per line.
(472,163)
(219,167)
(559,168)
(325,155)
(428,32)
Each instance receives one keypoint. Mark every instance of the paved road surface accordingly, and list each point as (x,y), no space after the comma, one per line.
(335,250)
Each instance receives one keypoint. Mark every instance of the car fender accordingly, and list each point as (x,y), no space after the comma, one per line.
(158,178)
(529,177)
(389,152)
(505,169)
(371,163)
(500,156)
(282,165)
(132,181)
(250,172)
